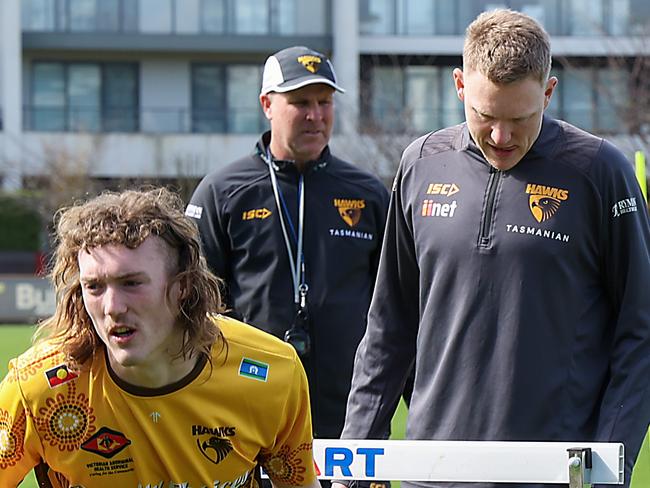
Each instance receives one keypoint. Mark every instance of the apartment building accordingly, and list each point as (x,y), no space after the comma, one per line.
(168,88)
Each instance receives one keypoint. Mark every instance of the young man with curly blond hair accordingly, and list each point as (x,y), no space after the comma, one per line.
(136,381)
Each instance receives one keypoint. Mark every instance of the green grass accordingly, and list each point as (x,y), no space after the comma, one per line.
(14,339)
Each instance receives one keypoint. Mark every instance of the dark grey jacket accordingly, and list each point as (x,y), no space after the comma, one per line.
(244,245)
(522,296)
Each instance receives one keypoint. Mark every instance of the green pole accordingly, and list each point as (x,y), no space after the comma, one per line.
(639,160)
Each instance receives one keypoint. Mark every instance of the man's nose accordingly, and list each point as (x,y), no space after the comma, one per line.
(113,303)
(501,133)
(314,111)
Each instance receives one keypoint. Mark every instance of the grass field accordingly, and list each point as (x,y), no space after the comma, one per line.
(16,338)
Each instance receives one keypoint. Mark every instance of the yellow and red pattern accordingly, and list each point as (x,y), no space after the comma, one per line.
(95,430)
(288,465)
(65,421)
(12,436)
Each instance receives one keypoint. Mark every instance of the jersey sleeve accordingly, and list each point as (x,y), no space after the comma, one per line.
(290,460)
(19,444)
(386,353)
(625,239)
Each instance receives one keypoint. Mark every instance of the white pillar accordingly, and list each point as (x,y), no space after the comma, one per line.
(11,94)
(345,34)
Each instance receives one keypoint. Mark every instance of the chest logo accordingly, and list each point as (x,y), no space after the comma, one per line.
(106,442)
(257,213)
(545,201)
(350,210)
(59,375)
(446,189)
(253,369)
(213,442)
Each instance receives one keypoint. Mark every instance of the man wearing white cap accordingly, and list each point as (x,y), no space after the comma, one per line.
(295,232)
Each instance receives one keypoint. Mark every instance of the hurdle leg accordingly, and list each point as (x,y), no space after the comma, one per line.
(579,466)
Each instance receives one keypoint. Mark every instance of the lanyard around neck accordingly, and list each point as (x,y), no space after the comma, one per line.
(297,265)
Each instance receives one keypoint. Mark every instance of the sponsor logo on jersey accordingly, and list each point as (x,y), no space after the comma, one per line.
(106,443)
(350,210)
(537,232)
(194,211)
(59,375)
(253,369)
(627,205)
(256,213)
(355,234)
(213,442)
(544,201)
(431,208)
(311,63)
(239,482)
(445,189)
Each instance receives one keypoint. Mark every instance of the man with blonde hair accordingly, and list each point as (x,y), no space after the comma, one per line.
(136,381)
(515,269)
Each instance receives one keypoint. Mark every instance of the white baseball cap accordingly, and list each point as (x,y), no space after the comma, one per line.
(295,67)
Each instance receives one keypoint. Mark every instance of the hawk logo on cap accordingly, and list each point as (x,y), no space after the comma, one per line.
(311,63)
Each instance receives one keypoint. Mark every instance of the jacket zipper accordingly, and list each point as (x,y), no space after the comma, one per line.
(488,215)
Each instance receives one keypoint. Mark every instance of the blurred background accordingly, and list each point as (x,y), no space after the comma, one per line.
(109,93)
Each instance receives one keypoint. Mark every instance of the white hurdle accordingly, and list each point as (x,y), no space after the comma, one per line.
(569,463)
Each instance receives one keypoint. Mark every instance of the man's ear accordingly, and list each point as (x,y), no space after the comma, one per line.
(265,102)
(459,83)
(549,89)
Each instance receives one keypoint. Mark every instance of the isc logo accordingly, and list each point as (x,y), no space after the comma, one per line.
(258,213)
(447,189)
(342,458)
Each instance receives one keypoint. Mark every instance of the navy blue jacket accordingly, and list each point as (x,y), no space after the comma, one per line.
(345,214)
(521,296)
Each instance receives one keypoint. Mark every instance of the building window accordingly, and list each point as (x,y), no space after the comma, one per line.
(79,15)
(377,17)
(593,99)
(559,17)
(213,16)
(86,97)
(417,98)
(225,98)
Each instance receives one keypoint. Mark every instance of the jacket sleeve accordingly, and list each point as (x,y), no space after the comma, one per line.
(625,239)
(387,350)
(206,208)
(382,209)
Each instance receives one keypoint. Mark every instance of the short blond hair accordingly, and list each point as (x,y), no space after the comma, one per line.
(506,46)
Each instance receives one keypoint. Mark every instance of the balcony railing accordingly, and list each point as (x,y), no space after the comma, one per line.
(145,120)
(559,17)
(233,17)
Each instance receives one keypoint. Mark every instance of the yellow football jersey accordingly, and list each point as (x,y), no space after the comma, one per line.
(211,429)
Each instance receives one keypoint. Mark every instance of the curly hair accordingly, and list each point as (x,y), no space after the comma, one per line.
(507,46)
(128,218)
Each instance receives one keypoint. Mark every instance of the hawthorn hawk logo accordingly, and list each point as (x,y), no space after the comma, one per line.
(350,210)
(545,201)
(311,63)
